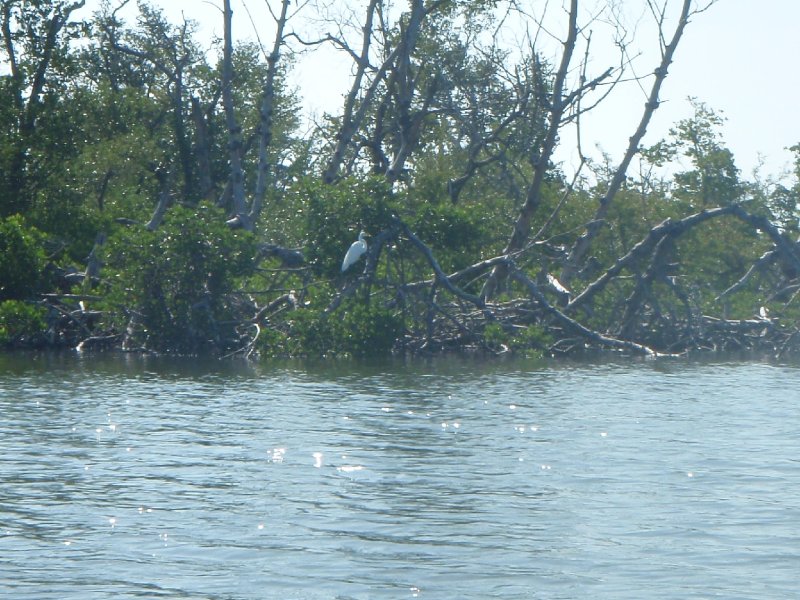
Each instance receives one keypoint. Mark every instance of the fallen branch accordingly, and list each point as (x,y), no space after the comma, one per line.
(766,260)
(441,277)
(787,249)
(97,340)
(739,325)
(571,324)
(644,247)
(288,298)
(248,348)
(470,271)
(71,315)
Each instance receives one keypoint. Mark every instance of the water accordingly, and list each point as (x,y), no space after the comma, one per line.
(141,478)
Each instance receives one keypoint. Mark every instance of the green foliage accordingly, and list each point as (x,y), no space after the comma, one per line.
(335,214)
(712,263)
(459,235)
(69,224)
(22,259)
(370,330)
(356,330)
(21,324)
(783,199)
(314,334)
(494,335)
(714,180)
(99,119)
(532,340)
(179,280)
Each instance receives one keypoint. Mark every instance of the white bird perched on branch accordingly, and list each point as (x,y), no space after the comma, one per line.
(357,250)
(557,285)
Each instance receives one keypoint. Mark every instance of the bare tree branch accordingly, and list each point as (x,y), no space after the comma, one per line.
(522,226)
(644,247)
(572,324)
(582,245)
(235,145)
(266,116)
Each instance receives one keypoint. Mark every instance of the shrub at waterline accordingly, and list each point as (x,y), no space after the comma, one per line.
(22,325)
(174,287)
(22,259)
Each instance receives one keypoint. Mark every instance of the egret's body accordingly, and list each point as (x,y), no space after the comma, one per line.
(357,250)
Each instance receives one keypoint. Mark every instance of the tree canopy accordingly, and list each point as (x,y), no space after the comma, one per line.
(161,195)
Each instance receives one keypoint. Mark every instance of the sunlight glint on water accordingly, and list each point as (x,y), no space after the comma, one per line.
(455,479)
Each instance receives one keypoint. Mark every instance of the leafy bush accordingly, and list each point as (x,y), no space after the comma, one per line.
(459,236)
(336,213)
(358,331)
(21,324)
(22,259)
(179,279)
(370,330)
(68,225)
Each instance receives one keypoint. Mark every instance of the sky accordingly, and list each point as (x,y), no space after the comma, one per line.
(739,57)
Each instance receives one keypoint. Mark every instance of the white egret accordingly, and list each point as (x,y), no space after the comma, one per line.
(557,285)
(356,250)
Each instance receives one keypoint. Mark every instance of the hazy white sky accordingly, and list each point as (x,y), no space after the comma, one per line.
(739,57)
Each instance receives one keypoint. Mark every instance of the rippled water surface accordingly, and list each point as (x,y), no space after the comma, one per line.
(133,478)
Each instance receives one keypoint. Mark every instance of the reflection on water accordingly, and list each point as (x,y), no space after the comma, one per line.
(137,477)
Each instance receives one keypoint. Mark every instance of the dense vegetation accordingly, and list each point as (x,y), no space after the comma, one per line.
(157,196)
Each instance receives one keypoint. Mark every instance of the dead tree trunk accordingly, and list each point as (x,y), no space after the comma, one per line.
(558,105)
(582,245)
(266,115)
(352,118)
(202,149)
(235,145)
(396,73)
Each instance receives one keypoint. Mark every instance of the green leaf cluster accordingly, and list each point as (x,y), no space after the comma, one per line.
(358,330)
(178,283)
(22,259)
(21,324)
